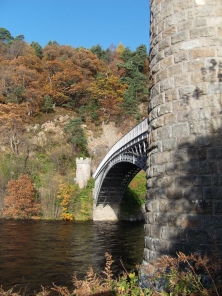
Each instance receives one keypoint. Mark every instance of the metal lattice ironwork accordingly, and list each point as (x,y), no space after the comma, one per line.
(124,160)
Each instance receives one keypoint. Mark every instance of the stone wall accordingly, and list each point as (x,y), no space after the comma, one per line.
(83,171)
(184,176)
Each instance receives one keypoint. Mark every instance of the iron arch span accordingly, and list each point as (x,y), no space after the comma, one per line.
(123,161)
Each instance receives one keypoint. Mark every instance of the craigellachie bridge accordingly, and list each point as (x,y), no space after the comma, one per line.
(123,161)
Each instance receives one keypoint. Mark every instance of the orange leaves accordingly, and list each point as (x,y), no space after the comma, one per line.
(12,119)
(20,202)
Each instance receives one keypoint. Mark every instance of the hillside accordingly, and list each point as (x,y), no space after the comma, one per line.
(58,103)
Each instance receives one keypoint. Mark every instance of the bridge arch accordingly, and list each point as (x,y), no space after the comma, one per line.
(123,161)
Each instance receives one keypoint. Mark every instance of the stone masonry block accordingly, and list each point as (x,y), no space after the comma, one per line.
(187,115)
(208,167)
(158,170)
(185,221)
(168,144)
(212,193)
(181,56)
(149,243)
(202,180)
(202,32)
(179,155)
(170,119)
(161,219)
(171,95)
(157,122)
(180,130)
(192,193)
(182,80)
(156,231)
(193,66)
(194,235)
(179,37)
(174,193)
(198,127)
(166,62)
(190,167)
(161,246)
(201,12)
(176,18)
(163,206)
(147,229)
(169,31)
(180,5)
(166,84)
(164,43)
(164,132)
(171,233)
(157,100)
(202,53)
(160,158)
(161,75)
(215,153)
(190,44)
(201,22)
(165,109)
(172,169)
(197,153)
(175,69)
(149,218)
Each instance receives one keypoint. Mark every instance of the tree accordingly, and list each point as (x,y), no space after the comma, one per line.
(48,105)
(76,135)
(12,118)
(108,91)
(136,76)
(20,203)
(38,49)
(5,35)
(120,48)
(100,53)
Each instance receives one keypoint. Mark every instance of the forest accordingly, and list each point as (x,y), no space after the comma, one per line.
(69,87)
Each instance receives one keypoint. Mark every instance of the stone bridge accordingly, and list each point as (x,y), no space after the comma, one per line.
(123,161)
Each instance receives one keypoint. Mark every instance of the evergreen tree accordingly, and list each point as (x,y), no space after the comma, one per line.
(38,49)
(134,64)
(5,35)
(76,135)
(48,105)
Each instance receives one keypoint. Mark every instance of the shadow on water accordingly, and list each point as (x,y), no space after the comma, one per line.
(36,253)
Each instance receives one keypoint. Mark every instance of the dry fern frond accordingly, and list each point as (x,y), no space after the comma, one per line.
(63,291)
(7,293)
(109,262)
(44,292)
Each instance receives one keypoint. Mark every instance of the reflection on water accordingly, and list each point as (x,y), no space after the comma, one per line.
(41,252)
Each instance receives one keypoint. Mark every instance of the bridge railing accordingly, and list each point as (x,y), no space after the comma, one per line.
(136,131)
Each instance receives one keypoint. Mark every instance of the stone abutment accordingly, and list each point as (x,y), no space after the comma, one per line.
(184,175)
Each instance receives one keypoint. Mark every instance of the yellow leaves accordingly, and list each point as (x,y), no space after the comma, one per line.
(65,193)
(109,92)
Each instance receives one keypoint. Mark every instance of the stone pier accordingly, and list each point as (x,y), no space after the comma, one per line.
(184,175)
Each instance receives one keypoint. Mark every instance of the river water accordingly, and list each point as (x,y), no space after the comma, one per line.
(35,253)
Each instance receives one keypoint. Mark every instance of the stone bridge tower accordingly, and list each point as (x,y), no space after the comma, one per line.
(184,176)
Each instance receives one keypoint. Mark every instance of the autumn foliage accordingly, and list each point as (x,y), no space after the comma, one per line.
(70,77)
(20,203)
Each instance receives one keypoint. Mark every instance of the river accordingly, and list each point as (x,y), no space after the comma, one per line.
(35,253)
